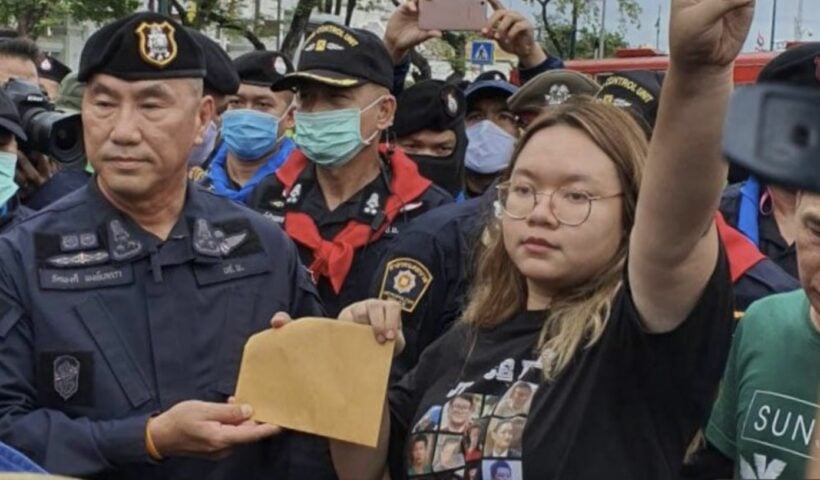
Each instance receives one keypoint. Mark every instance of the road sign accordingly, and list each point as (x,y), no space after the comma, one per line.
(482,53)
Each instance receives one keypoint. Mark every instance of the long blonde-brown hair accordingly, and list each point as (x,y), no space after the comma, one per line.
(577,316)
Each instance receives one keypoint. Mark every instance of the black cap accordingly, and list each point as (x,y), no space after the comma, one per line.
(10,117)
(798,66)
(492,75)
(142,46)
(342,57)
(639,91)
(262,68)
(52,69)
(220,74)
(429,105)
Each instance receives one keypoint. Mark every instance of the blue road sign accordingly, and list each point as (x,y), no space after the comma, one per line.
(482,53)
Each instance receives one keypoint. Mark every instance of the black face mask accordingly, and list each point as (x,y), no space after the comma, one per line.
(446,172)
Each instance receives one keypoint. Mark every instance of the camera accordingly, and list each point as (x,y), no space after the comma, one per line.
(58,135)
(774,132)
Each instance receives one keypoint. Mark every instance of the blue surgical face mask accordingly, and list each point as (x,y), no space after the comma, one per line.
(8,163)
(249,134)
(201,152)
(489,149)
(332,138)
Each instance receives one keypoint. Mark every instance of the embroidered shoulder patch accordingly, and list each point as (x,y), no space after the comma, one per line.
(406,281)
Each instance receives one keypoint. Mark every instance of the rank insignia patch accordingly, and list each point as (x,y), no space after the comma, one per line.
(405,281)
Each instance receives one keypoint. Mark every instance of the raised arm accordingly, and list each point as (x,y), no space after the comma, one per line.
(674,243)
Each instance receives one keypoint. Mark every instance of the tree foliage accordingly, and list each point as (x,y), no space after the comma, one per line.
(568,23)
(32,17)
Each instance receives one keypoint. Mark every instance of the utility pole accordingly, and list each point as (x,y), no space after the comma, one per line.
(798,21)
(774,22)
(658,29)
(278,24)
(602,36)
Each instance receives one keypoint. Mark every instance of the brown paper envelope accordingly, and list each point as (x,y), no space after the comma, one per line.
(319,376)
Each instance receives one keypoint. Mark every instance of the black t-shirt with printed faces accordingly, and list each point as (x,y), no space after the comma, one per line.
(476,405)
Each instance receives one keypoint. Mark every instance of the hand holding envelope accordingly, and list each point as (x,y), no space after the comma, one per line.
(322,376)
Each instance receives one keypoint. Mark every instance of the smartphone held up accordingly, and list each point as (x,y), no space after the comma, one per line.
(453,15)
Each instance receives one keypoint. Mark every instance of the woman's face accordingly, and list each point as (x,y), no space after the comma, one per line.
(553,255)
(503,435)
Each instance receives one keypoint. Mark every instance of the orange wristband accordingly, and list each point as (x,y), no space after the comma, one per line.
(149,442)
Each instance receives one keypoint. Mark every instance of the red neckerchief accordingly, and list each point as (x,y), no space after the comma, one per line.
(741,252)
(332,259)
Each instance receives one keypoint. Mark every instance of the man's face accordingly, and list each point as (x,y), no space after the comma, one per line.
(21,69)
(138,134)
(460,411)
(8,142)
(419,453)
(808,247)
(494,109)
(263,99)
(315,97)
(503,473)
(430,143)
(520,397)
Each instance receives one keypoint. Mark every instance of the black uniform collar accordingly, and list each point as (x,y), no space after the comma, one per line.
(126,240)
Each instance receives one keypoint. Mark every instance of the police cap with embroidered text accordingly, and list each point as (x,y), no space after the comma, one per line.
(342,57)
(220,74)
(142,46)
(262,68)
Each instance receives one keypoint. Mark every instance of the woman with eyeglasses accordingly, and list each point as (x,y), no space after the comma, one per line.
(602,282)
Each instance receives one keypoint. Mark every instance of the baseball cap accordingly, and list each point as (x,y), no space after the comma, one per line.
(342,57)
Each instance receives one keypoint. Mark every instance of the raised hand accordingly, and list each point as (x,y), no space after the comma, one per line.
(403,32)
(514,34)
(708,33)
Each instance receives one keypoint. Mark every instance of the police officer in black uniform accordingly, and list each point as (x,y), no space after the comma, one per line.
(342,196)
(124,307)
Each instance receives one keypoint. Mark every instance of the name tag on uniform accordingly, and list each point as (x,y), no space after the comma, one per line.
(86,278)
(231,269)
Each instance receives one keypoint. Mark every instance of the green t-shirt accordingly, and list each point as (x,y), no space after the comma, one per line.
(765,414)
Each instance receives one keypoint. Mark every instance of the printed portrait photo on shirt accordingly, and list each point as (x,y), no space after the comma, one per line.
(474,439)
(459,413)
(420,457)
(429,421)
(500,439)
(449,453)
(516,401)
(490,401)
(502,470)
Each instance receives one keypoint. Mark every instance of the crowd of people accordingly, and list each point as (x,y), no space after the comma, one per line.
(571,286)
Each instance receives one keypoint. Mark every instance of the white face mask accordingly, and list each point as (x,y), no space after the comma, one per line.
(489,149)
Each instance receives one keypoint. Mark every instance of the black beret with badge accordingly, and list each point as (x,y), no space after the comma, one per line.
(342,57)
(429,105)
(142,46)
(220,73)
(52,69)
(638,91)
(262,68)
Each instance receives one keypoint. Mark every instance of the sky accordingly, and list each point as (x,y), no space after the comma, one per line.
(645,33)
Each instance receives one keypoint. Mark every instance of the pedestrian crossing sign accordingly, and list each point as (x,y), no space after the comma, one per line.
(482,53)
